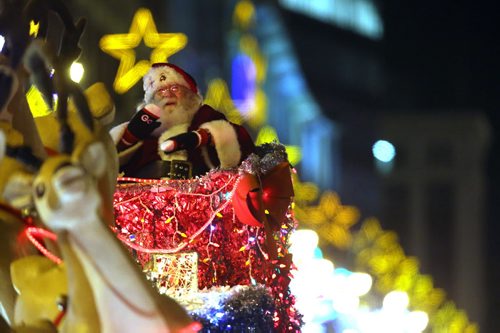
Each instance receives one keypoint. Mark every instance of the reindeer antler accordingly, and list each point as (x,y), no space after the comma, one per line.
(15,32)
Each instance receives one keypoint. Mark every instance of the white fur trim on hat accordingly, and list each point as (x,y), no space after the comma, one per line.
(226,143)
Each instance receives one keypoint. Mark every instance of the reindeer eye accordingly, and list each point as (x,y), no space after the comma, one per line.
(40,190)
(163,77)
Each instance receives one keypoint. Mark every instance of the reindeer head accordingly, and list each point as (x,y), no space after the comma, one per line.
(65,189)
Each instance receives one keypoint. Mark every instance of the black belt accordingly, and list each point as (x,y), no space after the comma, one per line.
(177,169)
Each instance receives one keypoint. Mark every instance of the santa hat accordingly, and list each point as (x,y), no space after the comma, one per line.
(173,74)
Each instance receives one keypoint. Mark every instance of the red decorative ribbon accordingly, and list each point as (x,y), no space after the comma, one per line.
(270,195)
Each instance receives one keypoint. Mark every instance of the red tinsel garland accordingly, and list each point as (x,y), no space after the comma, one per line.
(158,216)
(191,215)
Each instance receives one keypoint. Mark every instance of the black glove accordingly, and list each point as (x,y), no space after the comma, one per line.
(187,141)
(142,124)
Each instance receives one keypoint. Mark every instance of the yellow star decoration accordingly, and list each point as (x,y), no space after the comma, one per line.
(305,192)
(219,98)
(330,219)
(121,46)
(379,253)
(244,13)
(34,28)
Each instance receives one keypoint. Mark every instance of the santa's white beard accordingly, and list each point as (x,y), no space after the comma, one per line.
(182,113)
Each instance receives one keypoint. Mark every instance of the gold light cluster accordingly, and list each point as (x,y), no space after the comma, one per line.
(379,253)
(330,219)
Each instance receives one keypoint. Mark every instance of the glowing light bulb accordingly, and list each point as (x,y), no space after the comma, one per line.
(76,72)
(304,239)
(2,42)
(384,151)
(360,283)
(417,321)
(303,245)
(396,301)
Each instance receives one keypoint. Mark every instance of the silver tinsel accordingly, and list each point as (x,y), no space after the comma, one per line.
(267,156)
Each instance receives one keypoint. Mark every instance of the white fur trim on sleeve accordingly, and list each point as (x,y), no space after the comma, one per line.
(226,142)
(116,134)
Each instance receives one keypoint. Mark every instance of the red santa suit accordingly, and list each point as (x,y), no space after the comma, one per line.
(231,144)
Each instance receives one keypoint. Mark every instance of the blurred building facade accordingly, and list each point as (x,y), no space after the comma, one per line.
(434,195)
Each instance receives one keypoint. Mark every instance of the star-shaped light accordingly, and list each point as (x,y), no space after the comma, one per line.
(218,97)
(121,46)
(34,28)
(330,219)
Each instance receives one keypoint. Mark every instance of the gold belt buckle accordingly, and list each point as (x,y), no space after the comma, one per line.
(180,169)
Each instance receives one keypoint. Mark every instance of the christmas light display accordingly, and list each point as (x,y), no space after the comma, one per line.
(121,46)
(237,309)
(161,218)
(339,299)
(330,219)
(175,274)
(32,233)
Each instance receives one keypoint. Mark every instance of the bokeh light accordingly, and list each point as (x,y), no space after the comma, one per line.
(384,151)
(76,72)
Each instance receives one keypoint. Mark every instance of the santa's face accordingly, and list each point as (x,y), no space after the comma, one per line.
(169,90)
(167,96)
(178,104)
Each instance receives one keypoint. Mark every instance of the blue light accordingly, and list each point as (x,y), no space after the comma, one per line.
(243,82)
(342,271)
(318,254)
(361,16)
(384,151)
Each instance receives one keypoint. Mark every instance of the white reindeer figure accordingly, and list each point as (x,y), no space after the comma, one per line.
(66,196)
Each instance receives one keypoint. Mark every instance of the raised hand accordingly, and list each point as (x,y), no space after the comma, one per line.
(142,124)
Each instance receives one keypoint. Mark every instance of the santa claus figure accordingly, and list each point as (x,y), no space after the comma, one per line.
(174,135)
